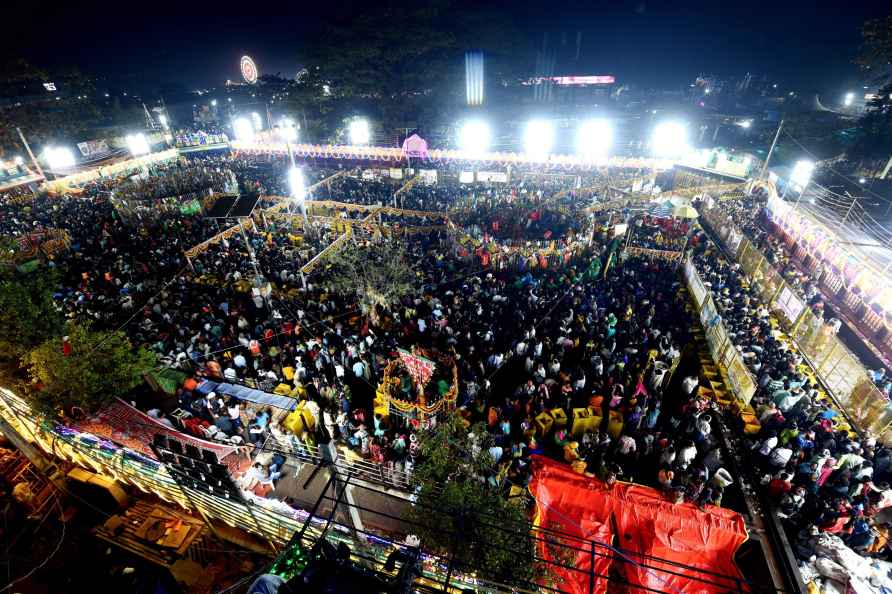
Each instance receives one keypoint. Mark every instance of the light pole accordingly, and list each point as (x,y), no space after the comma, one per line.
(30,154)
(771,150)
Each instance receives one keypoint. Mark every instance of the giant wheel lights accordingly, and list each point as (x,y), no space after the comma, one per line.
(248,68)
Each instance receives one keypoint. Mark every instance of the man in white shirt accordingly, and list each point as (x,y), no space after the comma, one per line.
(627,445)
(689,384)
(780,456)
(767,445)
(686,455)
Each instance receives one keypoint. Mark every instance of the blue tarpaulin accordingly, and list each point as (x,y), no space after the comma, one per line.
(247,394)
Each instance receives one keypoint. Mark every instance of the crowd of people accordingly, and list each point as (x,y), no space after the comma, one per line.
(565,336)
(822,478)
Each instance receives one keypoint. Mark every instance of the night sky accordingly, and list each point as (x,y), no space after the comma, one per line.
(807,45)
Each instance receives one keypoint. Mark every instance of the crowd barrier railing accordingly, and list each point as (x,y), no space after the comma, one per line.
(722,349)
(840,370)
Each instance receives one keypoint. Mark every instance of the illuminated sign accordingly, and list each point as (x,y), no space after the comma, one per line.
(50,86)
(574,80)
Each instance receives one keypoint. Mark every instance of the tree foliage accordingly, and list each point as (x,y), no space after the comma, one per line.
(101,366)
(460,514)
(379,278)
(28,315)
(874,134)
(876,49)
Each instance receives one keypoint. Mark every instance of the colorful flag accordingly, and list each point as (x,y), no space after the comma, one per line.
(420,368)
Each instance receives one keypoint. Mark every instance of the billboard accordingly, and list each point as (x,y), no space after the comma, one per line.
(492,176)
(567,81)
(428,176)
(93,148)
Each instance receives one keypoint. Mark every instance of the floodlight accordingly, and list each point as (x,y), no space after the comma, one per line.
(296,184)
(594,138)
(359,131)
(288,130)
(214,102)
(538,139)
(258,123)
(802,172)
(861,180)
(163,119)
(474,137)
(745,124)
(18,160)
(243,129)
(58,157)
(138,144)
(670,140)
(850,98)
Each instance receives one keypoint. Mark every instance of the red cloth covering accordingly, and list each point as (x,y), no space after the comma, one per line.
(652,534)
(563,506)
(131,428)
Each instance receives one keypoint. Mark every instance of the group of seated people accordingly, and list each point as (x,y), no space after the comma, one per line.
(659,233)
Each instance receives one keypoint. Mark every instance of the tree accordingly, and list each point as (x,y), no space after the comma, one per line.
(28,314)
(876,50)
(378,278)
(99,366)
(459,514)
(874,135)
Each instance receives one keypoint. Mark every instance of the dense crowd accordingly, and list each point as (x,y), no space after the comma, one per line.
(565,335)
(823,479)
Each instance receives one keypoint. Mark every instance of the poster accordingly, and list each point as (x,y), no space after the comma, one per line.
(789,305)
(93,148)
(492,176)
(428,176)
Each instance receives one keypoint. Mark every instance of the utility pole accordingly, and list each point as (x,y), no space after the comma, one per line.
(30,154)
(770,151)
(851,206)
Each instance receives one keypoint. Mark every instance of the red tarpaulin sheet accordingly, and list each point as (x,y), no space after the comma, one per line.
(682,539)
(564,507)
(134,429)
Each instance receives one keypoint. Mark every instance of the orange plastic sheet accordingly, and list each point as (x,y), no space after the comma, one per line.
(658,546)
(568,524)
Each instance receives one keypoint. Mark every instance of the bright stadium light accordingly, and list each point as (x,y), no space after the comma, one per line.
(213,102)
(802,172)
(258,123)
(58,157)
(359,131)
(849,99)
(163,119)
(288,130)
(138,144)
(594,138)
(243,129)
(538,139)
(745,124)
(474,137)
(670,140)
(296,184)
